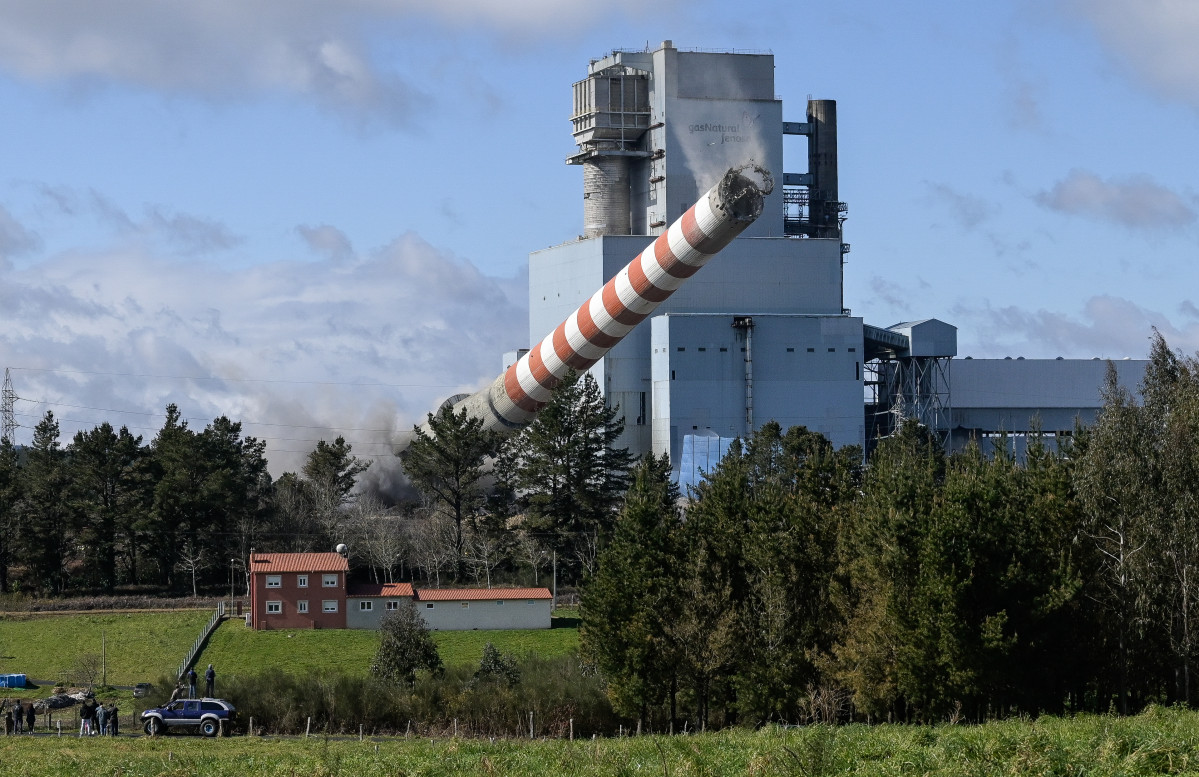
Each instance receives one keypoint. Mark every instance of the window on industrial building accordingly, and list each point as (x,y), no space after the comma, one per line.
(393,605)
(790,350)
(329,581)
(853,350)
(428,605)
(274,581)
(724,350)
(329,605)
(302,581)
(811,350)
(701,350)
(832,350)
(274,608)
(302,605)
(681,349)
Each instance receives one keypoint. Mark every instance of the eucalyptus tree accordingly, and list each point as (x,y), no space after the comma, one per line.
(10,492)
(626,606)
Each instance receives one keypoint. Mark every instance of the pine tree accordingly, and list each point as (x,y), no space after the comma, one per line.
(46,532)
(565,472)
(446,464)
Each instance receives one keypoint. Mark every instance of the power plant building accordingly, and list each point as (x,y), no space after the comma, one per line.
(763,332)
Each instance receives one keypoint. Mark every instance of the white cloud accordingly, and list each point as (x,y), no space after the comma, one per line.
(1135,201)
(1108,327)
(229,48)
(15,239)
(361,347)
(1153,38)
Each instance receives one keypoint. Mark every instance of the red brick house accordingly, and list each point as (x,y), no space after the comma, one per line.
(309,591)
(298,590)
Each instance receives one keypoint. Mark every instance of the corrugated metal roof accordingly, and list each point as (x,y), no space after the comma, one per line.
(380,589)
(298,562)
(476,594)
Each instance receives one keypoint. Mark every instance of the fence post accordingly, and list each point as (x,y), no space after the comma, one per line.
(359,732)
(308,728)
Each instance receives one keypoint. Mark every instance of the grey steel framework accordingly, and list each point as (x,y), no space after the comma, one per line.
(906,387)
(7,400)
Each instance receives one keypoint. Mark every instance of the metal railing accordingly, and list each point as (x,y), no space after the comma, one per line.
(200,640)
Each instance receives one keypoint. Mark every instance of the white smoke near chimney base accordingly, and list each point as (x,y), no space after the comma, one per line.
(362,345)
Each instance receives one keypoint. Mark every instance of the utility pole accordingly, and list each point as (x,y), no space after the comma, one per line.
(8,419)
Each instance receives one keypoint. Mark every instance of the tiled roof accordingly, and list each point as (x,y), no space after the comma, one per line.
(474,594)
(298,562)
(380,589)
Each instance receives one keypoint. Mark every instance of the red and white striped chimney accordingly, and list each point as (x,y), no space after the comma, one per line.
(625,301)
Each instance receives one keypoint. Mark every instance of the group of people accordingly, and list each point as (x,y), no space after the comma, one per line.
(97,719)
(209,682)
(19,717)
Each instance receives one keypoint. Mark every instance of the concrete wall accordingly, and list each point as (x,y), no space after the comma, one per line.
(359,618)
(807,371)
(486,614)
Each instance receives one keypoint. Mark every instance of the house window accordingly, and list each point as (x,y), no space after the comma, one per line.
(366,606)
(302,581)
(393,605)
(329,581)
(329,605)
(274,608)
(274,581)
(499,602)
(531,602)
(428,605)
(465,604)
(302,605)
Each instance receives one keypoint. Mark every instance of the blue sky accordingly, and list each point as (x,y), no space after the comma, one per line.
(315,217)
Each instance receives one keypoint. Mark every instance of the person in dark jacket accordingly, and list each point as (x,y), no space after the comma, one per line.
(30,717)
(191,683)
(210,682)
(114,716)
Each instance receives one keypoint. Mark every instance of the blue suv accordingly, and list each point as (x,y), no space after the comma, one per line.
(203,715)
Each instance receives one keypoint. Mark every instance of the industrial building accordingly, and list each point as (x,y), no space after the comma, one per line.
(763,332)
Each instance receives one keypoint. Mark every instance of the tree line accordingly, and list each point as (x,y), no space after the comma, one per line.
(108,511)
(799,584)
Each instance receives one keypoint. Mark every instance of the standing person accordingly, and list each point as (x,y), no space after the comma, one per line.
(101,719)
(7,722)
(17,717)
(113,719)
(191,683)
(85,720)
(210,682)
(30,717)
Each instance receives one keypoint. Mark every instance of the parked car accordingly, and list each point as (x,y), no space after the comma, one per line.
(203,715)
(142,690)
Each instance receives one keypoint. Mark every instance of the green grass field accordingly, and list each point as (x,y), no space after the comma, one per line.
(1158,742)
(137,647)
(237,650)
(142,647)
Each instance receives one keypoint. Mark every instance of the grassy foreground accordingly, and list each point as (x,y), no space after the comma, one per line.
(237,650)
(137,647)
(1158,742)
